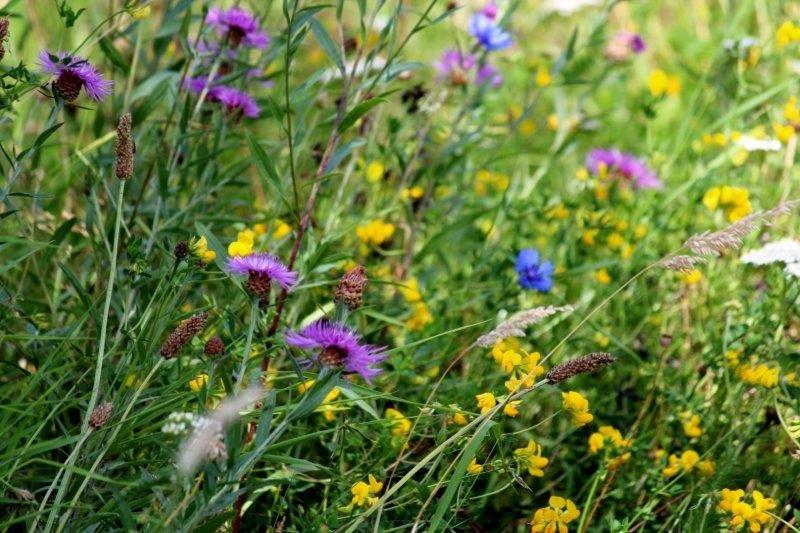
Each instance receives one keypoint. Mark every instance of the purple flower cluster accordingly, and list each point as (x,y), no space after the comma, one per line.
(74,73)
(533,272)
(234,100)
(339,347)
(623,44)
(623,165)
(238,27)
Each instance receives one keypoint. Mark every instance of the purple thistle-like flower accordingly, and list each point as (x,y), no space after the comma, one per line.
(624,165)
(196,85)
(339,346)
(488,33)
(72,73)
(236,100)
(238,26)
(453,65)
(261,269)
(533,272)
(487,73)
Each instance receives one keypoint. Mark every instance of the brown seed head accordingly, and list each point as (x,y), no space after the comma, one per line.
(3,36)
(124,148)
(100,415)
(579,365)
(67,86)
(214,347)
(350,290)
(181,336)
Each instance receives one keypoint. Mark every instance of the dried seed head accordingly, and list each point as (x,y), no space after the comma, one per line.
(67,86)
(181,251)
(100,415)
(214,347)
(23,494)
(124,148)
(350,290)
(3,36)
(181,336)
(682,263)
(516,324)
(579,365)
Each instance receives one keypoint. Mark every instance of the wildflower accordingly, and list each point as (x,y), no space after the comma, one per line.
(420,317)
(375,171)
(73,73)
(511,409)
(261,269)
(243,245)
(364,494)
(124,148)
(602,276)
(758,374)
(486,402)
(784,132)
(198,382)
(214,347)
(339,346)
(182,334)
(755,514)
(282,229)
(412,193)
(543,77)
(533,272)
(458,417)
(579,365)
(691,426)
(488,33)
(787,34)
(781,251)
(692,277)
(453,66)
(375,232)
(328,411)
(601,340)
(401,425)
(350,290)
(623,44)
(735,201)
(488,74)
(474,468)
(530,458)
(610,438)
(688,461)
(409,290)
(509,360)
(660,83)
(612,162)
(560,512)
(100,415)
(236,101)
(238,27)
(577,406)
(200,249)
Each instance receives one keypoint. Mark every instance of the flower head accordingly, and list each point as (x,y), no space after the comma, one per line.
(453,66)
(533,272)
(235,100)
(339,346)
(623,44)
(578,406)
(488,74)
(73,73)
(530,458)
(261,269)
(555,517)
(612,162)
(238,26)
(488,33)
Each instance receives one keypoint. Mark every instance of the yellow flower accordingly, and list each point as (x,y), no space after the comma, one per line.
(364,494)
(281,229)
(510,408)
(530,365)
(790,110)
(577,406)
(198,382)
(530,458)
(409,290)
(588,237)
(558,212)
(661,83)
(305,386)
(399,423)
(459,419)
(201,251)
(486,402)
(527,127)
(615,240)
(543,77)
(420,317)
(754,514)
(735,201)
(413,193)
(600,192)
(375,232)
(601,340)
(784,132)
(787,34)
(692,277)
(509,360)
(691,426)
(602,276)
(243,245)
(552,122)
(758,374)
(688,461)
(260,229)
(375,171)
(474,468)
(554,518)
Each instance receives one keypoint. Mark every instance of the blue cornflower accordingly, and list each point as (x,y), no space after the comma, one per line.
(533,272)
(489,33)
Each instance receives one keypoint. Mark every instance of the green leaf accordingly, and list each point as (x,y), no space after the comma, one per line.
(328,45)
(359,111)
(113,55)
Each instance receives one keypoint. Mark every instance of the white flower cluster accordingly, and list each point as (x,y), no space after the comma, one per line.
(181,423)
(783,251)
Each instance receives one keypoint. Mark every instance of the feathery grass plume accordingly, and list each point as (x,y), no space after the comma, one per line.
(100,415)
(350,290)
(124,148)
(205,442)
(181,336)
(515,326)
(730,238)
(579,365)
(682,263)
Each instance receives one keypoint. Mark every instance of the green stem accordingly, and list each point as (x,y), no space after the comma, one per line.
(589,499)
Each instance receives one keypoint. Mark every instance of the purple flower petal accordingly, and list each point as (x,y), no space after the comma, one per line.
(263,263)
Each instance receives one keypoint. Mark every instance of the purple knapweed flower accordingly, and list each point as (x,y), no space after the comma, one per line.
(196,85)
(261,269)
(623,165)
(238,27)
(623,44)
(235,100)
(488,33)
(487,73)
(73,73)
(533,272)
(453,65)
(339,346)
(490,10)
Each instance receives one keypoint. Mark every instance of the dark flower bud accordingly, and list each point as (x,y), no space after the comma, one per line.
(3,36)
(182,334)
(181,251)
(100,415)
(214,347)
(350,290)
(579,365)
